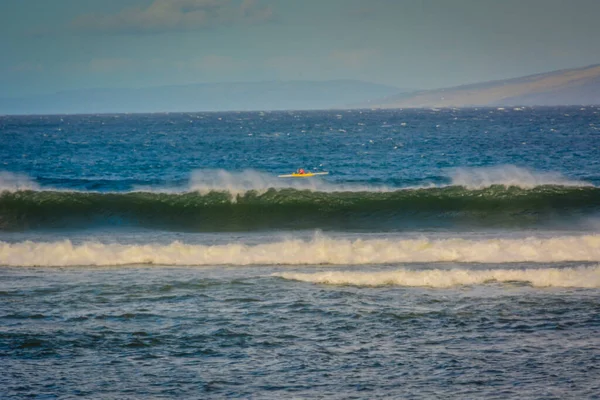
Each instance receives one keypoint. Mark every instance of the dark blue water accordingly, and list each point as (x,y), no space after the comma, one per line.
(101,152)
(448,253)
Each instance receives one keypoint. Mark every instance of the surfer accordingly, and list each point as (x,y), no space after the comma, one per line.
(302,173)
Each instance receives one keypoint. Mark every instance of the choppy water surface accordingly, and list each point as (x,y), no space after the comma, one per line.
(448,253)
(145,331)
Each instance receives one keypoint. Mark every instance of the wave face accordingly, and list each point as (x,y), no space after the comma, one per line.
(321,250)
(216,211)
(583,277)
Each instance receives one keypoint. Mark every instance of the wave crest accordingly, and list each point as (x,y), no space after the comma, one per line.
(318,251)
(299,209)
(583,277)
(509,176)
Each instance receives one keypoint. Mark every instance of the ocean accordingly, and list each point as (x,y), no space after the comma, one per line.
(449,253)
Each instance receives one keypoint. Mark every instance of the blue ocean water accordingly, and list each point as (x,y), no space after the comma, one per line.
(450,252)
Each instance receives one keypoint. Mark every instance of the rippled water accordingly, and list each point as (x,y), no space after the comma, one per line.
(199,332)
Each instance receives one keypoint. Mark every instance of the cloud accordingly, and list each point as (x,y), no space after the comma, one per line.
(174,16)
(287,62)
(211,63)
(287,67)
(335,64)
(372,9)
(354,59)
(26,67)
(107,65)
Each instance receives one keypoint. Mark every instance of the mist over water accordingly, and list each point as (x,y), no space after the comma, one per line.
(448,253)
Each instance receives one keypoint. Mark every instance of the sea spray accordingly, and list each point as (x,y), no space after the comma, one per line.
(12,182)
(507,176)
(238,183)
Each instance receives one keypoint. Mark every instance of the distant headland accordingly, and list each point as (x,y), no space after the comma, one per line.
(578,86)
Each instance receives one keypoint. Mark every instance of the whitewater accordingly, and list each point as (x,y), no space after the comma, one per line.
(582,277)
(319,251)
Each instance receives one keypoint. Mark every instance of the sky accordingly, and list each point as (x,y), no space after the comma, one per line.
(55,45)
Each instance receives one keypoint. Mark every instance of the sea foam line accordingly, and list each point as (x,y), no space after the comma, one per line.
(582,277)
(319,250)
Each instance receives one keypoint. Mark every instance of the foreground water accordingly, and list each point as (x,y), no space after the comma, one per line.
(448,253)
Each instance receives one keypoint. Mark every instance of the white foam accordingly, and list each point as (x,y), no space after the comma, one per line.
(12,182)
(583,277)
(319,250)
(508,175)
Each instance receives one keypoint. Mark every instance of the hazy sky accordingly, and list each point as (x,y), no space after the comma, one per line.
(53,45)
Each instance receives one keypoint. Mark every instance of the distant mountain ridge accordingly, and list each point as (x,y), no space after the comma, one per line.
(577,86)
(244,96)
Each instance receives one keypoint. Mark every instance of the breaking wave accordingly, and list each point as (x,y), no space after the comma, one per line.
(321,250)
(238,183)
(582,277)
(217,200)
(298,209)
(509,176)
